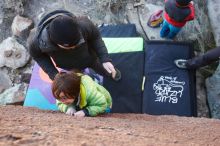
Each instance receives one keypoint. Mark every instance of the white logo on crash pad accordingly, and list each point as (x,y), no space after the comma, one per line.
(168,89)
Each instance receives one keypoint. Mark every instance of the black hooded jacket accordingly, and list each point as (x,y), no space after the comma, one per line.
(42,49)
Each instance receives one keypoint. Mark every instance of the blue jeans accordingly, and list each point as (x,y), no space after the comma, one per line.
(107,110)
(169,30)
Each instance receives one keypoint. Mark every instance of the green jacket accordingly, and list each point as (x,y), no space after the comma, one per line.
(93,97)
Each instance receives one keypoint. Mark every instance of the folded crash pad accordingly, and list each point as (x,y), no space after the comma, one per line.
(119,45)
(168,90)
(39,92)
(127,93)
(120,30)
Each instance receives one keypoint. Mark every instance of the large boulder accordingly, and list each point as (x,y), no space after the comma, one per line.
(8,10)
(5,81)
(213,92)
(13,54)
(213,83)
(21,26)
(214,16)
(13,95)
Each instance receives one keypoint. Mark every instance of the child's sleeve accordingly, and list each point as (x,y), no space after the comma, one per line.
(63,107)
(98,104)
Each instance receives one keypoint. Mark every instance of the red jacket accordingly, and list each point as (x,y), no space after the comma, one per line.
(173,10)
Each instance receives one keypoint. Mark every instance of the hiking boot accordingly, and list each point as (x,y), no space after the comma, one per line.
(181,63)
(118,75)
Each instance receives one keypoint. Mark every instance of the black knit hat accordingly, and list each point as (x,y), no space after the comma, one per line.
(64,30)
(183,2)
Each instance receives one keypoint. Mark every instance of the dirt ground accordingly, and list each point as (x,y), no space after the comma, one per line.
(29,126)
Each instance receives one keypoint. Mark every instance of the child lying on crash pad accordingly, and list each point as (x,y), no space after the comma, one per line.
(78,95)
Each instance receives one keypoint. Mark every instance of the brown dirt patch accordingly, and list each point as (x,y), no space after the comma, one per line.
(30,126)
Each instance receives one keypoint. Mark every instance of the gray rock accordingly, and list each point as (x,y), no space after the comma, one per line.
(213,82)
(213,92)
(25,78)
(214,16)
(13,54)
(13,95)
(202,105)
(8,10)
(5,81)
(21,26)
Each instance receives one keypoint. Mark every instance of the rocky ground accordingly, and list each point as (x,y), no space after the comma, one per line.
(30,126)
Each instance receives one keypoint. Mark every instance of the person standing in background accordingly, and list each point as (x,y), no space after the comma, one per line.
(177,13)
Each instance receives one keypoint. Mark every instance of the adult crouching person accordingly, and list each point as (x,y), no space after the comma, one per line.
(72,43)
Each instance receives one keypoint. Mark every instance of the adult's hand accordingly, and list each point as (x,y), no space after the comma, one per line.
(110,68)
